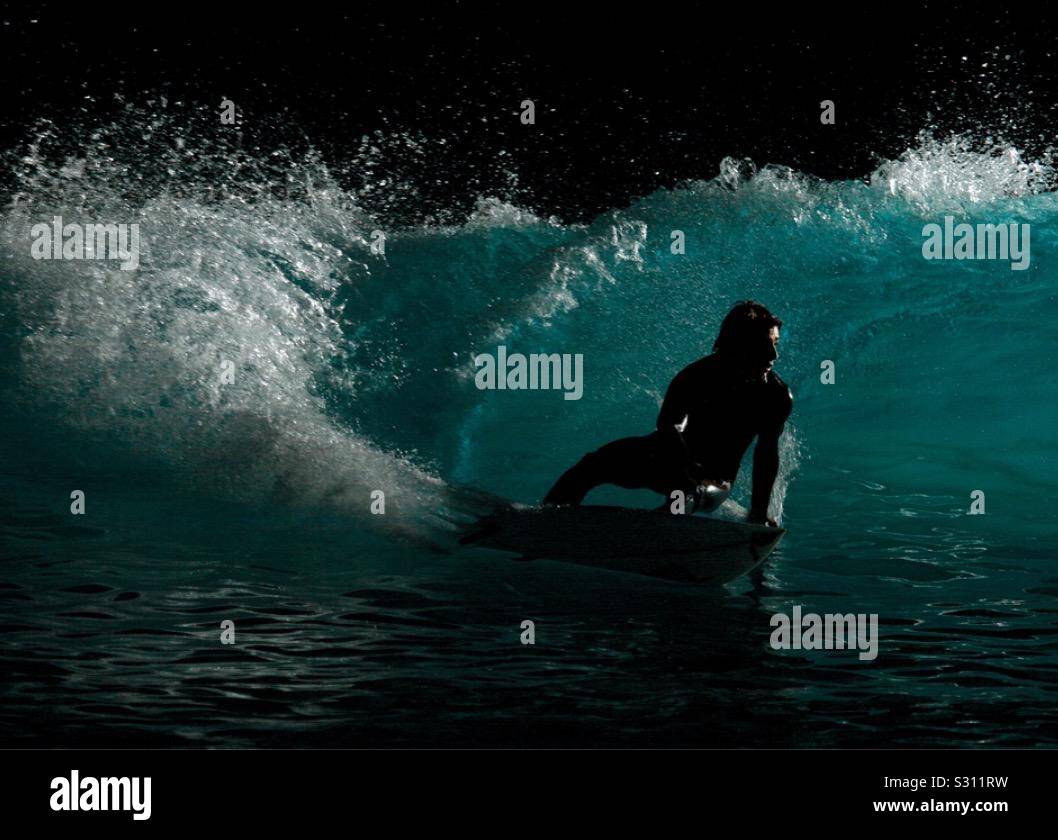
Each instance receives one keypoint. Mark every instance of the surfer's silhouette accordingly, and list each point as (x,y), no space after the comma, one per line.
(713,409)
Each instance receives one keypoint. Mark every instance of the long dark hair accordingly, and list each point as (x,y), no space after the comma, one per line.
(745,320)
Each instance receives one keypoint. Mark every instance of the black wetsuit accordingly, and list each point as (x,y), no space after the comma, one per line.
(724,410)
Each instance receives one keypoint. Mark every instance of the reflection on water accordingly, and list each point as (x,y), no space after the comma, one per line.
(109,641)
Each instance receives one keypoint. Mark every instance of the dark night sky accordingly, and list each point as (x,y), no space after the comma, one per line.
(628,99)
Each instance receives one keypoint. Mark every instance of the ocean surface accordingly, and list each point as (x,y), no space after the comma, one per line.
(249,500)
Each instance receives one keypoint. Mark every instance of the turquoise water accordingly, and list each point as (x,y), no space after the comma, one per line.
(250,500)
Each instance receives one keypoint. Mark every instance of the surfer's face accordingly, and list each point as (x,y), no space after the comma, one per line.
(762,351)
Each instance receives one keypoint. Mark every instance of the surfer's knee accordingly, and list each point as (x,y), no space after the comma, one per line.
(709,495)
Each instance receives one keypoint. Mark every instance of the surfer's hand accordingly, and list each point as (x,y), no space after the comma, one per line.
(761,519)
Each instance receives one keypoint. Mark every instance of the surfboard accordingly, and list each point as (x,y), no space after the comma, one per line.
(690,549)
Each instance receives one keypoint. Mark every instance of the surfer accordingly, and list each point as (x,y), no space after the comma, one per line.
(712,410)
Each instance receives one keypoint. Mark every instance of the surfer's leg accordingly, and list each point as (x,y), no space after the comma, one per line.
(625,462)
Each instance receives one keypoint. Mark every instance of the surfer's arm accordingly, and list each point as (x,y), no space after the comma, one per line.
(766,460)
(765,470)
